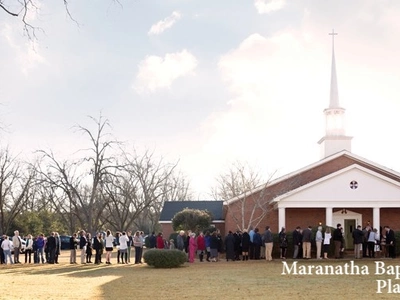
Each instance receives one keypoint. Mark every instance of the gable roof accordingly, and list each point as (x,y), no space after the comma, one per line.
(299,173)
(172,207)
(337,189)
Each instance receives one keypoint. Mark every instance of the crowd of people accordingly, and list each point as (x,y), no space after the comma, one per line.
(239,245)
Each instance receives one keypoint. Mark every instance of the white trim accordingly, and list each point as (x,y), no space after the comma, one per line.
(332,175)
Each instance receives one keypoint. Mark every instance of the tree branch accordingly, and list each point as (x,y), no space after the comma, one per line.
(7,11)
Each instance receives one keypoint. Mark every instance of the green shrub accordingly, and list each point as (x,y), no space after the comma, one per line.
(163,258)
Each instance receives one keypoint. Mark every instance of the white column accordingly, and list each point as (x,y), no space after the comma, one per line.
(281,217)
(328,217)
(376,220)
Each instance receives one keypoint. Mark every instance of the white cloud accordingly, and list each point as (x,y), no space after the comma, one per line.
(157,72)
(268,6)
(264,120)
(163,25)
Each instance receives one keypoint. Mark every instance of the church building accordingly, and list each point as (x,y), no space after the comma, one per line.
(339,188)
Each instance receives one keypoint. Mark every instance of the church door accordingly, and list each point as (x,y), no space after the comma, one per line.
(349,226)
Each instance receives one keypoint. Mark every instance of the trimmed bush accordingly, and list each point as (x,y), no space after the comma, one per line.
(164,258)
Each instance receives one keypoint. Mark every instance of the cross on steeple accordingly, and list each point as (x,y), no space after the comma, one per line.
(333,33)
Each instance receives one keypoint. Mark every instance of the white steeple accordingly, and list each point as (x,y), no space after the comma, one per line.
(335,139)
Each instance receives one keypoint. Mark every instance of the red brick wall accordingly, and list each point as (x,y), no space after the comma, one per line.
(391,218)
(301,217)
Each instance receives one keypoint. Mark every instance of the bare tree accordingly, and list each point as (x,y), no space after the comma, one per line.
(139,191)
(242,189)
(23,8)
(16,181)
(81,181)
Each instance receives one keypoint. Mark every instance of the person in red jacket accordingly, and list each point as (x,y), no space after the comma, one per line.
(160,241)
(201,246)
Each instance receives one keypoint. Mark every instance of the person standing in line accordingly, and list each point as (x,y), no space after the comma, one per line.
(138,244)
(7,245)
(268,242)
(40,247)
(192,247)
(390,242)
(130,244)
(58,247)
(327,241)
(143,244)
(82,246)
(180,241)
(383,243)
(237,236)
(358,237)
(245,245)
(257,244)
(307,237)
(51,248)
(73,243)
(201,245)
(160,241)
(2,258)
(337,239)
(152,240)
(17,244)
(230,247)
(98,247)
(318,241)
(123,247)
(372,237)
(214,244)
(28,248)
(251,245)
(365,239)
(296,242)
(109,246)
(207,240)
(283,243)
(116,244)
(89,248)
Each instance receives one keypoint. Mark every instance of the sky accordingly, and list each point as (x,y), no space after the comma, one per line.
(205,83)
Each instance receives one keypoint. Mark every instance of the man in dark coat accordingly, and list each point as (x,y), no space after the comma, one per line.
(337,239)
(152,240)
(230,246)
(51,247)
(390,242)
(296,242)
(238,240)
(358,238)
(245,245)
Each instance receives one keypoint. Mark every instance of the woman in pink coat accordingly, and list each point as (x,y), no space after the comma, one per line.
(192,247)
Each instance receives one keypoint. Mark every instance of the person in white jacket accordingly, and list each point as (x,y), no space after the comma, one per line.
(28,248)
(7,246)
(123,247)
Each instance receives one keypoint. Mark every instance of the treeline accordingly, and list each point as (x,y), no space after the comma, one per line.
(103,186)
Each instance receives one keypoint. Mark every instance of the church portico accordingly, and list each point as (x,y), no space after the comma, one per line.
(291,217)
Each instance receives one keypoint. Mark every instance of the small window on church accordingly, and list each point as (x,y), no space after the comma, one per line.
(353,185)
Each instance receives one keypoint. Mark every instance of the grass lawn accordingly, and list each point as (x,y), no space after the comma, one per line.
(221,280)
